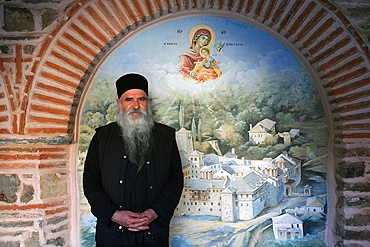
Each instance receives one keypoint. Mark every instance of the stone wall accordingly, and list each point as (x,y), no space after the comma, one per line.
(50,50)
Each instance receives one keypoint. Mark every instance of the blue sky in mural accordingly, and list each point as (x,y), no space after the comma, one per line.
(249,53)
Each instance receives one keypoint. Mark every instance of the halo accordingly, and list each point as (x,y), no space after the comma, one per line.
(202,26)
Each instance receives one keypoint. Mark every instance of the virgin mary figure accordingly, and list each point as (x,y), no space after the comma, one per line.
(195,65)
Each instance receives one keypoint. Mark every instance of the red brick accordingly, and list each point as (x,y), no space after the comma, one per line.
(32,149)
(2,67)
(300,19)
(30,81)
(47,130)
(221,4)
(349,76)
(338,58)
(75,64)
(318,32)
(354,62)
(279,12)
(364,126)
(43,108)
(259,7)
(62,69)
(311,23)
(270,8)
(56,211)
(48,120)
(69,49)
(17,166)
(32,206)
(138,14)
(17,98)
(94,31)
(76,8)
(352,107)
(358,116)
(44,47)
(4,131)
(347,88)
(81,45)
(22,122)
(48,156)
(129,12)
(10,91)
(13,157)
(121,16)
(333,49)
(289,16)
(14,124)
(51,100)
(58,79)
(8,60)
(54,165)
(3,108)
(18,65)
(326,40)
(4,118)
(102,23)
(354,135)
(111,18)
(57,90)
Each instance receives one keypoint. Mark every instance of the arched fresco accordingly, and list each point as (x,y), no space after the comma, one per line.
(250,128)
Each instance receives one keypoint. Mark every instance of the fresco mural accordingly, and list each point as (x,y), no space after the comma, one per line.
(250,126)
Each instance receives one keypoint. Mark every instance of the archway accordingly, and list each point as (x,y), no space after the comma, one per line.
(219,105)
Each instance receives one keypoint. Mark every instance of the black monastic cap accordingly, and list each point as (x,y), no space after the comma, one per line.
(131,81)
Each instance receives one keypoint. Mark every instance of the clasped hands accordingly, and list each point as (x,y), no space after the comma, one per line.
(135,221)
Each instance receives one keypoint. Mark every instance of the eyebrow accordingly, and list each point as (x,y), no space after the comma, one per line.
(140,98)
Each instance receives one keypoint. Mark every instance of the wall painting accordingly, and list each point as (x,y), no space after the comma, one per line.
(250,128)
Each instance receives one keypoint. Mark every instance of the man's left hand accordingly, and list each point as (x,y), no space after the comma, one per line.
(149,215)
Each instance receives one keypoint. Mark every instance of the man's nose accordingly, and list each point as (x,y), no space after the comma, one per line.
(136,104)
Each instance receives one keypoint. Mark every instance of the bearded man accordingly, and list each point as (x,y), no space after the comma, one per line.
(133,175)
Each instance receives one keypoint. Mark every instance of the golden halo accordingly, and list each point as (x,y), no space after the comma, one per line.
(202,26)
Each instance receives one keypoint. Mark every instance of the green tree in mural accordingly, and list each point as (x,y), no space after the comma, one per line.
(94,119)
(86,132)
(229,110)
(99,109)
(111,112)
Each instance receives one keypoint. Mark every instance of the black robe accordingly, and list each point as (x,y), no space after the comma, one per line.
(104,183)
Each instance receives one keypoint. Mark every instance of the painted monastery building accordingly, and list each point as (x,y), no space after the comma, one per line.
(232,188)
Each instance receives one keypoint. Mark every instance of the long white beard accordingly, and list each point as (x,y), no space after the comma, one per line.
(136,134)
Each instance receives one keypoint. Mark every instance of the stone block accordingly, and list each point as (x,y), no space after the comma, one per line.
(27,193)
(53,185)
(351,170)
(9,186)
(34,240)
(48,17)
(18,19)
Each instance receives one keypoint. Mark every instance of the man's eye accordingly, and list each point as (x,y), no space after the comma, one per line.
(128,99)
(143,99)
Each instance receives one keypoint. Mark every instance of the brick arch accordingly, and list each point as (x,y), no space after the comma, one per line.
(323,37)
(316,30)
